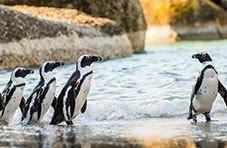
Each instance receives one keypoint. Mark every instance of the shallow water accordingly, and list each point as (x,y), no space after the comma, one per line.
(155,85)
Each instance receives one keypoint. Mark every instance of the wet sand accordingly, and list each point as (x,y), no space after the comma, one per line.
(176,132)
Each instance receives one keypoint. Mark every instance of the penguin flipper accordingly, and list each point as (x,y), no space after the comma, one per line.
(194,92)
(72,95)
(54,103)
(22,105)
(1,102)
(39,110)
(72,101)
(222,91)
(83,109)
(197,85)
(190,115)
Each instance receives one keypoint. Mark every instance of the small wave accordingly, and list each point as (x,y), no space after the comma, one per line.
(152,85)
(114,110)
(133,110)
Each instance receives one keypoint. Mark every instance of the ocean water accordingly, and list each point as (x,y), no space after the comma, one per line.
(155,84)
(151,86)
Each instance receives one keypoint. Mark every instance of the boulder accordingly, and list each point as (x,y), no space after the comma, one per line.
(29,39)
(128,13)
(201,20)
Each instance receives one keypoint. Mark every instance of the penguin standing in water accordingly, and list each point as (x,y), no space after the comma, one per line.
(206,89)
(43,95)
(12,95)
(73,97)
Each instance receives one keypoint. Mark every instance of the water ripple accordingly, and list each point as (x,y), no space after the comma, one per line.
(155,84)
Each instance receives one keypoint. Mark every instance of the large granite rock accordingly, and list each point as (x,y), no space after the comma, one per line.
(29,39)
(202,20)
(127,13)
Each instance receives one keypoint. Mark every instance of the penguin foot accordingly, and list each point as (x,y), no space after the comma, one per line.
(69,122)
(208,118)
(24,122)
(194,118)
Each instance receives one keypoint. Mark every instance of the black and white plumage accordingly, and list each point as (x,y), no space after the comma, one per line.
(12,95)
(73,97)
(206,89)
(43,95)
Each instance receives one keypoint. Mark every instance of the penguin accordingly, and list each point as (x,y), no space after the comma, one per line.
(73,97)
(43,95)
(12,95)
(206,89)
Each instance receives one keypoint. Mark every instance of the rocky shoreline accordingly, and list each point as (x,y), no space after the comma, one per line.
(177,20)
(31,35)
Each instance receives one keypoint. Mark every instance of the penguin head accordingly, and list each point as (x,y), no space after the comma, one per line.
(19,74)
(86,60)
(47,68)
(202,57)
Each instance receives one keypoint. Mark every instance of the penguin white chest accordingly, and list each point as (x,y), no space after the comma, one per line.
(46,103)
(48,98)
(12,105)
(207,92)
(82,96)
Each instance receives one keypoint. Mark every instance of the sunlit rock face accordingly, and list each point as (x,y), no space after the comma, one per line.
(29,39)
(201,20)
(128,13)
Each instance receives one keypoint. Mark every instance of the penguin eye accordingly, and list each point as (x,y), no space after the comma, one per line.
(203,54)
(23,73)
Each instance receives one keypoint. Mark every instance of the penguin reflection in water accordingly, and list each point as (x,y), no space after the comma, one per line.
(73,97)
(206,89)
(12,95)
(43,95)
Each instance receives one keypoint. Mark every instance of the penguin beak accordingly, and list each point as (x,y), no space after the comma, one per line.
(96,58)
(195,56)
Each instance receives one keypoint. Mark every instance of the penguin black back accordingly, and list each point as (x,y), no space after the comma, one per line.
(42,95)
(73,96)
